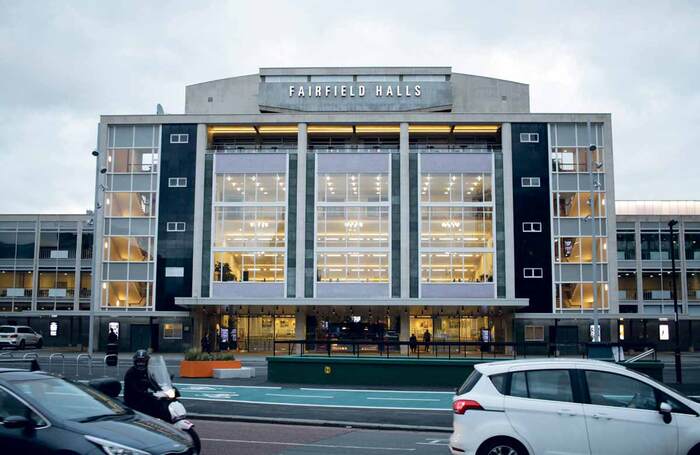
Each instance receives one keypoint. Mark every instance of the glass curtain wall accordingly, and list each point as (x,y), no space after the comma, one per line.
(456,227)
(130,217)
(17,241)
(352,227)
(574,216)
(249,227)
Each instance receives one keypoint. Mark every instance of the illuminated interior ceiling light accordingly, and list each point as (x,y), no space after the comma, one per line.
(476,128)
(377,129)
(444,129)
(329,129)
(232,129)
(278,129)
(450,224)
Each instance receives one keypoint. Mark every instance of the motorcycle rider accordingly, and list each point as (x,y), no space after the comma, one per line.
(138,390)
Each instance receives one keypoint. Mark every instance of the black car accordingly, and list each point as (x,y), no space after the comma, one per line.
(42,414)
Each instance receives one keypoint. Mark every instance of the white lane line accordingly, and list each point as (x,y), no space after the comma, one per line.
(373,391)
(296,396)
(403,399)
(229,386)
(393,408)
(299,444)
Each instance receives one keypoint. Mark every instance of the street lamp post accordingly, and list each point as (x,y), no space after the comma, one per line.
(594,184)
(677,351)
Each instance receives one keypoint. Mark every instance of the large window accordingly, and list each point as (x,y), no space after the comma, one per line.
(353,267)
(656,245)
(457,267)
(352,227)
(608,389)
(692,245)
(456,228)
(353,187)
(658,285)
(693,280)
(579,250)
(626,249)
(579,296)
(251,187)
(245,267)
(16,244)
(128,245)
(456,187)
(249,228)
(627,284)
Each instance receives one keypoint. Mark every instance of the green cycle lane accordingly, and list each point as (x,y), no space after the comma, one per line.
(322,397)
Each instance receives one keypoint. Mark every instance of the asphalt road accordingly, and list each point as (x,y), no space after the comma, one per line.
(268,439)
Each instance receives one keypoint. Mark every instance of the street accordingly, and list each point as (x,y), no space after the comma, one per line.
(267,439)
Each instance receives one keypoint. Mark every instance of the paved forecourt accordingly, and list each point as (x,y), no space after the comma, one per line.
(320,397)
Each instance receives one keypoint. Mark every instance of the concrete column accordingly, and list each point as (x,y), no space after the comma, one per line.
(299,327)
(507,150)
(405,207)
(301,210)
(197,246)
(405,333)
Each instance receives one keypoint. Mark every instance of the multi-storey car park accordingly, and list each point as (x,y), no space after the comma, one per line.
(322,202)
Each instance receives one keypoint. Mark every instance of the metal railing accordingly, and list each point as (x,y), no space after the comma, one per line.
(450,349)
(58,355)
(77,363)
(104,363)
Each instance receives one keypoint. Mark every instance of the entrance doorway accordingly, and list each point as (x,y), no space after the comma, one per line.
(140,336)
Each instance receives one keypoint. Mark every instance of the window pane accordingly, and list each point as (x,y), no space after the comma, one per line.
(352,267)
(518,385)
(252,266)
(626,246)
(11,406)
(609,389)
(552,385)
(249,227)
(457,267)
(456,227)
(692,246)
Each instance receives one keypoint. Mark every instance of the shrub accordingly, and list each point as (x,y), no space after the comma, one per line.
(197,354)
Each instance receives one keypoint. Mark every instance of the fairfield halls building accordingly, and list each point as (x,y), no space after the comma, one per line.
(346,202)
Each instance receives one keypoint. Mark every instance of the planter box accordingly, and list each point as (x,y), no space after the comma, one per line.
(205,368)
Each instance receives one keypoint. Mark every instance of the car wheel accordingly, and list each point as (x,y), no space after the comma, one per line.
(504,446)
(21,345)
(39,344)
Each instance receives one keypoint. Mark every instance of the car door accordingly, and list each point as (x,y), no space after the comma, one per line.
(622,416)
(18,440)
(541,407)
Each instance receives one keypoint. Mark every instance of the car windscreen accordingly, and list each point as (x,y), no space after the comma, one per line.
(67,400)
(7,329)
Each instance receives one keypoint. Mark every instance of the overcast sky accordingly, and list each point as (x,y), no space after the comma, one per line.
(62,64)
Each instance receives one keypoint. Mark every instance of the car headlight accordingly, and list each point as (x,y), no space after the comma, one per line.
(113,448)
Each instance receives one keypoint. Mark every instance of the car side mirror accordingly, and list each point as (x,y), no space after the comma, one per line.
(15,422)
(665,410)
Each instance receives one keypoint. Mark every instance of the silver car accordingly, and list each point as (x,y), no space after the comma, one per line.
(19,337)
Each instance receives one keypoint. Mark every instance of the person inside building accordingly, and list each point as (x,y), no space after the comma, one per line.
(206,345)
(426,340)
(413,343)
(137,388)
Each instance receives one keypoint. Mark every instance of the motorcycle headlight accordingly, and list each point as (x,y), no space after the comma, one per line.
(113,448)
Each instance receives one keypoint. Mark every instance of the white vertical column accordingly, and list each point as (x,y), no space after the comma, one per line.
(508,228)
(299,326)
(197,247)
(405,185)
(301,209)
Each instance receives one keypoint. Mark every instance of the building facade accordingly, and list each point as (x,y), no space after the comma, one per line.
(345,202)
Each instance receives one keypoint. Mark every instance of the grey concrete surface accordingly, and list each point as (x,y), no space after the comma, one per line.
(269,439)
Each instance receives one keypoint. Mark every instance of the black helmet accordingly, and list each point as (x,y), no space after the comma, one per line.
(141,359)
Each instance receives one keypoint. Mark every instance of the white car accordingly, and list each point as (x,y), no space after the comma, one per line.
(19,337)
(560,406)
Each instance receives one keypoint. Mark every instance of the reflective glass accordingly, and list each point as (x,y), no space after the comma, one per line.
(348,227)
(249,266)
(249,227)
(456,267)
(456,227)
(352,267)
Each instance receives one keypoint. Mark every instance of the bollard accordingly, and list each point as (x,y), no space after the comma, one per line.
(105,363)
(77,363)
(63,362)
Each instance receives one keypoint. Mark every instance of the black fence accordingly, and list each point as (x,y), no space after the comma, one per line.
(458,349)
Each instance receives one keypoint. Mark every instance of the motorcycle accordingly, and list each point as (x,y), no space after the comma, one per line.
(171,410)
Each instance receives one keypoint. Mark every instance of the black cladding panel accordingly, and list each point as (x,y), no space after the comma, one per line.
(175,204)
(532,249)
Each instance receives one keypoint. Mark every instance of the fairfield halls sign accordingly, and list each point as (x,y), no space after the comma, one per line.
(354,96)
(351,91)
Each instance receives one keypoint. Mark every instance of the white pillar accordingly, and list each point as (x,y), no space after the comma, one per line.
(405,207)
(299,327)
(301,210)
(199,210)
(508,228)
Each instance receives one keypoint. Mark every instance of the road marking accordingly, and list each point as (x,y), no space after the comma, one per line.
(403,399)
(299,444)
(394,408)
(230,386)
(373,391)
(434,442)
(296,396)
